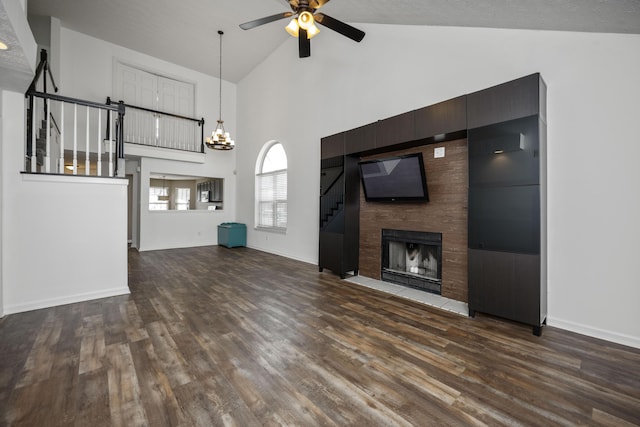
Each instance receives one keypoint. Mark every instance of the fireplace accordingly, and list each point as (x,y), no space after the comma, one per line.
(413,259)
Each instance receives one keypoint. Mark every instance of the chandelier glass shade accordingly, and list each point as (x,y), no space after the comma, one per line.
(220,139)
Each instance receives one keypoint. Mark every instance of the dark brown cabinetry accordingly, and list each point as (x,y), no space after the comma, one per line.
(506,139)
(360,139)
(339,214)
(442,119)
(332,146)
(395,130)
(505,128)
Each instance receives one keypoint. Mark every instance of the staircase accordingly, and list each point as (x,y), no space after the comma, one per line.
(331,192)
(41,140)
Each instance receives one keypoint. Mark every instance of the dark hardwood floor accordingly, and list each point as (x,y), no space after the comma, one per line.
(216,336)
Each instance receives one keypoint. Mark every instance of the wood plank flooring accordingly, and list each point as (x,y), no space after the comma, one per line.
(215,336)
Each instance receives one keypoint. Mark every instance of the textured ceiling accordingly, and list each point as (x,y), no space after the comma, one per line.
(15,67)
(12,58)
(185,32)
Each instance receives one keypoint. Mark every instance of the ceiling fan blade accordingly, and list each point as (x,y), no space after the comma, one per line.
(339,27)
(257,22)
(313,4)
(317,4)
(304,44)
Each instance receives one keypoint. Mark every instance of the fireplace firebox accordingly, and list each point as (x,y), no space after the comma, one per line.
(413,259)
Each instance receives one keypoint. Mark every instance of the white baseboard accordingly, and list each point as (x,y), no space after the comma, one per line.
(283,255)
(183,245)
(69,299)
(603,334)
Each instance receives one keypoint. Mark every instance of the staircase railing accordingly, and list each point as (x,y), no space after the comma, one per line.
(85,138)
(159,129)
(49,149)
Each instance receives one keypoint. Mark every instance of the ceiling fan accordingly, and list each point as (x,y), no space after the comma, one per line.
(303,25)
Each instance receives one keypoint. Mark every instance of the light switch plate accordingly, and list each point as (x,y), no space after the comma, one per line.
(438,152)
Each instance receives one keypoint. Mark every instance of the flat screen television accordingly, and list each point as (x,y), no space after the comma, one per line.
(399,178)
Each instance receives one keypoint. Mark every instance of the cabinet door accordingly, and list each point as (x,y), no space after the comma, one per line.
(505,153)
(442,118)
(332,146)
(331,251)
(360,139)
(506,285)
(395,130)
(505,218)
(508,101)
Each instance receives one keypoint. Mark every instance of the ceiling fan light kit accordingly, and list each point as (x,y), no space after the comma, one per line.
(303,25)
(304,21)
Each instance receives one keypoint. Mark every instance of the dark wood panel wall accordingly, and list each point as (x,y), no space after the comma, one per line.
(446,213)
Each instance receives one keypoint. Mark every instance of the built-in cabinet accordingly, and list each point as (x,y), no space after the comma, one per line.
(507,192)
(505,128)
(339,209)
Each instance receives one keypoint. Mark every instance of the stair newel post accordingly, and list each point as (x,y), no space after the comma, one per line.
(33,138)
(201,134)
(99,164)
(120,141)
(61,160)
(45,61)
(47,154)
(87,163)
(75,139)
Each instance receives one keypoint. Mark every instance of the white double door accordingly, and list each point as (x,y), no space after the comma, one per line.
(165,95)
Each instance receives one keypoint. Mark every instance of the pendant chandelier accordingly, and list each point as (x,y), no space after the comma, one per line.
(220,139)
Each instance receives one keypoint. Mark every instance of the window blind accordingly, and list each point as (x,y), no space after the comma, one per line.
(272,199)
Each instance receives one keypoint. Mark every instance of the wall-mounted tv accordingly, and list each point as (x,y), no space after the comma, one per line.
(399,178)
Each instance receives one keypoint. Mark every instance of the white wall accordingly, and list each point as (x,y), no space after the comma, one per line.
(87,72)
(177,229)
(56,250)
(593,143)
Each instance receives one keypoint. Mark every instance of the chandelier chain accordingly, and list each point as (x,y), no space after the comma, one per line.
(220,79)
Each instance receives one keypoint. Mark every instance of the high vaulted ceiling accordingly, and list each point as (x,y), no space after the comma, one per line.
(185,32)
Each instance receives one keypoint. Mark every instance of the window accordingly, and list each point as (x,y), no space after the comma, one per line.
(271,188)
(158,200)
(183,199)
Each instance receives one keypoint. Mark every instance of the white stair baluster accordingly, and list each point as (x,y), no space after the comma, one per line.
(75,139)
(34,158)
(99,143)
(47,157)
(87,163)
(111,143)
(61,160)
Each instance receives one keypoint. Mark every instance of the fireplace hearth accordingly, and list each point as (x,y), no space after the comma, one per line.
(413,259)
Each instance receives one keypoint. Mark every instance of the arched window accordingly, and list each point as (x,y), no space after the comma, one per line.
(271,187)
